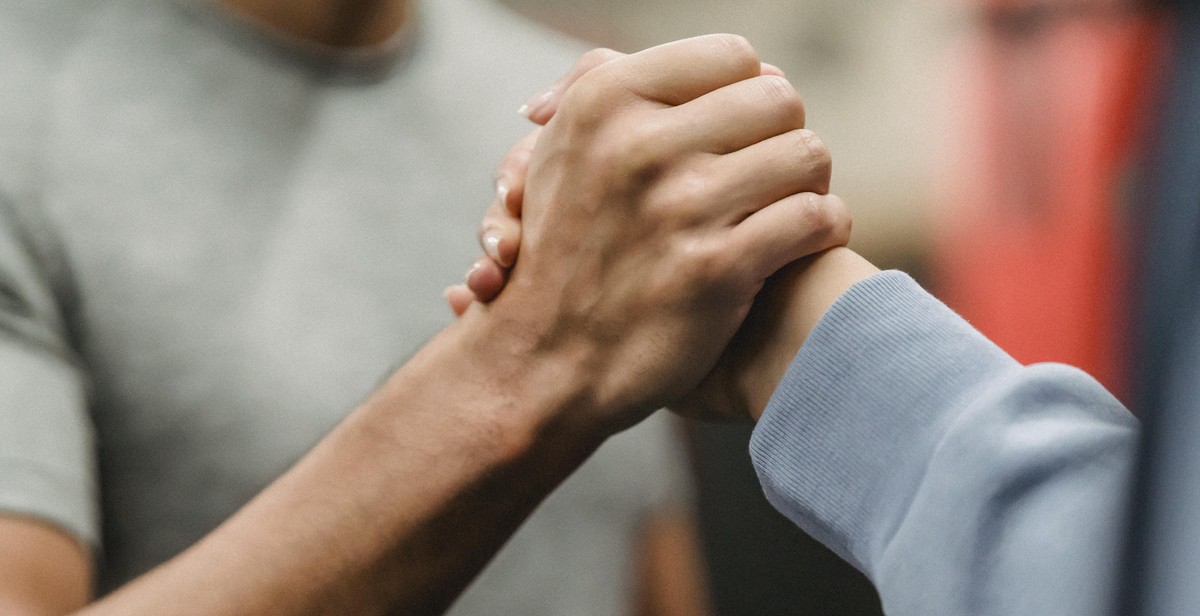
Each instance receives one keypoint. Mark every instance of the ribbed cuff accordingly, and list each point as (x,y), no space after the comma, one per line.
(846,437)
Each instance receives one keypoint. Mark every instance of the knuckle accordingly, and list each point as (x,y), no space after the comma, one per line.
(596,57)
(815,147)
(488,225)
(824,217)
(523,149)
(586,101)
(843,221)
(688,196)
(783,99)
(580,97)
(777,88)
(514,163)
(708,263)
(736,47)
(813,213)
(643,134)
(636,148)
(814,156)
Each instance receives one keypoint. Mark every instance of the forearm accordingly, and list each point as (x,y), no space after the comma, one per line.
(673,579)
(929,458)
(394,512)
(784,313)
(45,569)
(406,500)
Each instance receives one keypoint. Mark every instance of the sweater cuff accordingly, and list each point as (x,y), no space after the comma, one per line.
(844,441)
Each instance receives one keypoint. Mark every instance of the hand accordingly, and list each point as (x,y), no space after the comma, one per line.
(784,313)
(500,232)
(667,187)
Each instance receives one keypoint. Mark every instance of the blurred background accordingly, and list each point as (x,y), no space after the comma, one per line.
(1007,153)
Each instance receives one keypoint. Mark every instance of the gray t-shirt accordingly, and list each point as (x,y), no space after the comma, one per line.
(215,242)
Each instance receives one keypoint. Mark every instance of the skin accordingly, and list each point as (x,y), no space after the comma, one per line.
(783,315)
(671,566)
(500,233)
(752,365)
(657,251)
(43,571)
(342,24)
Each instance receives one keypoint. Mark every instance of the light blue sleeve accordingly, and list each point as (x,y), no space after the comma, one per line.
(958,480)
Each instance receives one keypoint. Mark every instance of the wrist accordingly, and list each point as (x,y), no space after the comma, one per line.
(493,379)
(458,442)
(793,304)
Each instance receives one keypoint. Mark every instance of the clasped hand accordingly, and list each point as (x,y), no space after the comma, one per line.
(663,191)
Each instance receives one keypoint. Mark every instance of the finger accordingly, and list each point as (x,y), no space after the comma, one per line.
(459,297)
(790,229)
(511,172)
(739,115)
(758,176)
(500,235)
(771,69)
(500,232)
(486,279)
(676,72)
(541,106)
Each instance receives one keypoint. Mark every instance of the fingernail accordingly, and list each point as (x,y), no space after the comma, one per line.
(491,244)
(475,267)
(502,188)
(535,102)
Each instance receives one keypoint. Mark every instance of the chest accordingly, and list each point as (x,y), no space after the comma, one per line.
(251,266)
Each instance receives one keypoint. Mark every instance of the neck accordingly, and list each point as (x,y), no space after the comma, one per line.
(342,24)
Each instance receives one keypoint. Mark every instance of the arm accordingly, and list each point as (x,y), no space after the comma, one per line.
(44,570)
(671,573)
(399,507)
(960,481)
(47,516)
(402,504)
(669,565)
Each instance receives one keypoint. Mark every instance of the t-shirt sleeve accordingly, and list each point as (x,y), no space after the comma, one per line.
(47,460)
(958,480)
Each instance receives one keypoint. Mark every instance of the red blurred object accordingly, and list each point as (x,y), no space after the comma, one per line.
(1032,245)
